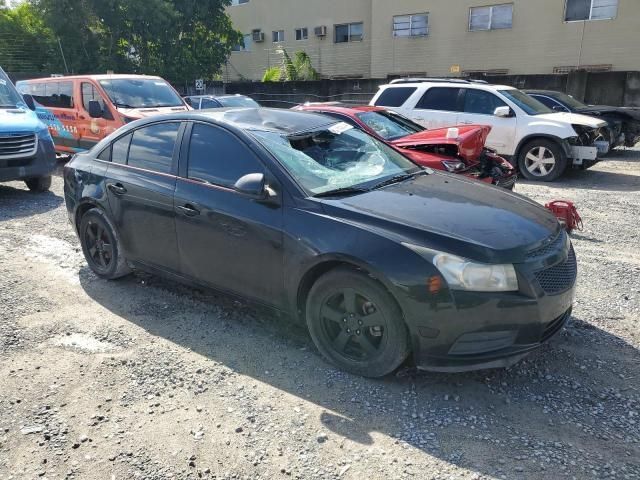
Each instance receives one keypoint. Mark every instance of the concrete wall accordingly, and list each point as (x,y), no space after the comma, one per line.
(538,41)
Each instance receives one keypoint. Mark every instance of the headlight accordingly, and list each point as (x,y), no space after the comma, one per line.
(453,166)
(463,274)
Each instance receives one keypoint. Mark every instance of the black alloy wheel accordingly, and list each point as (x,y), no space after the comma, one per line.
(100,245)
(356,323)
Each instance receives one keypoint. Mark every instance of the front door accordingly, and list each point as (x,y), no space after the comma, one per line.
(141,180)
(92,130)
(227,239)
(478,109)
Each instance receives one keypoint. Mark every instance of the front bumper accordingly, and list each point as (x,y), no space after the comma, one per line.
(460,331)
(39,164)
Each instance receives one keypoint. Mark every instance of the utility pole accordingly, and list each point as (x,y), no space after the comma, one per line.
(66,68)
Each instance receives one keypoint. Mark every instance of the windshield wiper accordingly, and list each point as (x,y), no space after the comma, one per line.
(342,192)
(122,105)
(398,179)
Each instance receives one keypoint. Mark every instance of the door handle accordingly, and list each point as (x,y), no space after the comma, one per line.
(117,188)
(188,210)
(467,123)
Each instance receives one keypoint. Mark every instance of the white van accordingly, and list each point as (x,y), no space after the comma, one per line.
(542,142)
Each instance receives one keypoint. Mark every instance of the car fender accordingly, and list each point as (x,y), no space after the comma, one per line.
(562,142)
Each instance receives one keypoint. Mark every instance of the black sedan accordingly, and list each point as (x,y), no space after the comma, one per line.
(623,122)
(382,259)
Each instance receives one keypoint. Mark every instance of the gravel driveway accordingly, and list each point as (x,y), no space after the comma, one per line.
(144,378)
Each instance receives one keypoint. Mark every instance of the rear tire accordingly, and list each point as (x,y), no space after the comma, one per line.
(542,160)
(38,184)
(356,323)
(101,245)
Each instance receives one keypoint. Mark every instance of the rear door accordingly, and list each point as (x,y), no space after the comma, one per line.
(140,182)
(478,107)
(225,238)
(438,107)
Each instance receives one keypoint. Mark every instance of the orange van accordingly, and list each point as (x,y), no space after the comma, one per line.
(82,110)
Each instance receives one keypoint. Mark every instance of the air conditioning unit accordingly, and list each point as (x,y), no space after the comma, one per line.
(321,31)
(258,36)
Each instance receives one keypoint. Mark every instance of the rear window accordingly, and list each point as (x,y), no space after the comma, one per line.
(439,98)
(394,96)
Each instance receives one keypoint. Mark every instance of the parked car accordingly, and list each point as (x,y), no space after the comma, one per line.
(382,259)
(623,122)
(464,153)
(542,143)
(82,110)
(26,148)
(203,102)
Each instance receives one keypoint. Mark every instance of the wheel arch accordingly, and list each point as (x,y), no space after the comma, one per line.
(535,136)
(326,264)
(83,207)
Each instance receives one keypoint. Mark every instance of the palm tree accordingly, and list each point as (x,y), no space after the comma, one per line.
(298,68)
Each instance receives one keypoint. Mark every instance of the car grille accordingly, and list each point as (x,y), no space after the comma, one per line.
(551,247)
(559,278)
(554,326)
(17,145)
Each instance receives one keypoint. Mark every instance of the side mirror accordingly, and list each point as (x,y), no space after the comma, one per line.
(503,112)
(253,185)
(95,110)
(28,99)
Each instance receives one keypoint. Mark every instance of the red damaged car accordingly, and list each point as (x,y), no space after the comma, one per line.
(461,150)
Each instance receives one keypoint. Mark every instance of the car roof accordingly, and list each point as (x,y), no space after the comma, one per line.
(94,77)
(479,86)
(217,96)
(541,92)
(341,108)
(286,122)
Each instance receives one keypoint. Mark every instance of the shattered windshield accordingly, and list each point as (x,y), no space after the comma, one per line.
(9,97)
(335,157)
(238,102)
(388,125)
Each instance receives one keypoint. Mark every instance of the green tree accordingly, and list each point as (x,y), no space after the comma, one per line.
(26,42)
(298,68)
(177,39)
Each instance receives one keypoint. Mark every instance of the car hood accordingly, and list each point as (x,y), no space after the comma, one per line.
(16,120)
(605,109)
(573,119)
(138,113)
(450,213)
(470,140)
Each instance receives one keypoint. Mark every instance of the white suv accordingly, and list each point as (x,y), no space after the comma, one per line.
(539,140)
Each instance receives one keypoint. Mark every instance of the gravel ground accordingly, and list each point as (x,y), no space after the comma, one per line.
(144,378)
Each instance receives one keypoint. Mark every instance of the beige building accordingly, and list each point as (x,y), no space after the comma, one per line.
(383,38)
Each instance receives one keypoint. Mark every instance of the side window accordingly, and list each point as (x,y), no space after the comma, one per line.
(89,93)
(440,98)
(152,147)
(208,103)
(395,96)
(120,149)
(53,94)
(219,157)
(479,101)
(549,102)
(105,154)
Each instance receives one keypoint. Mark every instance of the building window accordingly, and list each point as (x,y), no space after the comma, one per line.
(579,10)
(416,25)
(278,36)
(349,32)
(245,46)
(238,2)
(495,17)
(302,33)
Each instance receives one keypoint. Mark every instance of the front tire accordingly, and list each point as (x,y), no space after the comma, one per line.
(38,184)
(542,160)
(101,245)
(356,323)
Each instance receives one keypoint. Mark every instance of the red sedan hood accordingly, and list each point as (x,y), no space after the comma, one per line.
(470,141)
